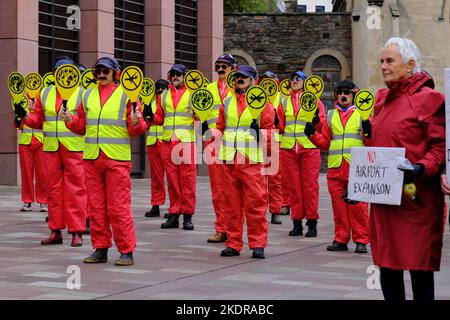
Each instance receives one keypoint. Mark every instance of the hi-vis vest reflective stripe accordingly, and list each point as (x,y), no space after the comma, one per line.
(214,115)
(106,127)
(343,138)
(295,127)
(55,129)
(154,132)
(237,136)
(27,134)
(179,121)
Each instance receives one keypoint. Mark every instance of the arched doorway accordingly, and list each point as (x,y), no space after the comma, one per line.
(329,68)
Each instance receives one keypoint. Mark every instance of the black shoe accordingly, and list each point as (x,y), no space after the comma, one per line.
(298,229)
(312,228)
(172,222)
(166,215)
(153,212)
(275,219)
(285,211)
(125,259)
(229,252)
(360,248)
(98,256)
(88,227)
(337,246)
(258,253)
(46,219)
(187,222)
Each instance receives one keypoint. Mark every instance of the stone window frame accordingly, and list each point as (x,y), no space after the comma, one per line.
(345,68)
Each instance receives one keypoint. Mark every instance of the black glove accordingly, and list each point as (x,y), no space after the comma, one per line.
(17,122)
(316,118)
(148,113)
(19,111)
(276,121)
(367,128)
(346,199)
(309,129)
(255,127)
(410,175)
(204,127)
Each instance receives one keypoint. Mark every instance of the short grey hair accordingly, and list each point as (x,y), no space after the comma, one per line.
(408,51)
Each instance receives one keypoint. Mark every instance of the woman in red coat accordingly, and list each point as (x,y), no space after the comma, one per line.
(409,114)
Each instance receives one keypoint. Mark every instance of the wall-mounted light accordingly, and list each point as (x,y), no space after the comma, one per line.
(356,14)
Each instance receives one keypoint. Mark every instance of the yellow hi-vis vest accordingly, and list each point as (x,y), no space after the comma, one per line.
(214,115)
(295,127)
(276,105)
(343,138)
(180,121)
(106,127)
(237,135)
(55,130)
(154,132)
(27,134)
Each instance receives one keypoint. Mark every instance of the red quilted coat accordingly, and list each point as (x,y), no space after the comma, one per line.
(411,115)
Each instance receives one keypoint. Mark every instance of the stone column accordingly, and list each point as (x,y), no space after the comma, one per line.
(19,40)
(210,36)
(97,30)
(159,37)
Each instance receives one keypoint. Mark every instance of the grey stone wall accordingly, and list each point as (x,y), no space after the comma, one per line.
(283,42)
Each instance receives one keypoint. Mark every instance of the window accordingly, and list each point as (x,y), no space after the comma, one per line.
(329,68)
(129,37)
(320,8)
(129,32)
(186,33)
(55,39)
(301,8)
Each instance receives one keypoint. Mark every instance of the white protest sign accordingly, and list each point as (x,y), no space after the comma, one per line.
(447,120)
(374,176)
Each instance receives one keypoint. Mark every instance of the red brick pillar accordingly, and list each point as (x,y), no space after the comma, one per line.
(19,40)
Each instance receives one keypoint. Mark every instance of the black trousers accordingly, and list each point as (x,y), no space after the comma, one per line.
(393,286)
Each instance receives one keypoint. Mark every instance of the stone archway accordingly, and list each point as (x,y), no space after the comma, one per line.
(241,55)
(345,68)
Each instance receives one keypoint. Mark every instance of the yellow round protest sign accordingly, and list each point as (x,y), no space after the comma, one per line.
(256,98)
(207,82)
(364,102)
(271,87)
(147,91)
(285,87)
(23,103)
(202,102)
(48,80)
(88,80)
(67,78)
(194,80)
(308,104)
(16,86)
(314,84)
(230,80)
(33,84)
(131,80)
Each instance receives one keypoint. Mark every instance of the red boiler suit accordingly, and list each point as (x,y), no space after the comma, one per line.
(302,167)
(181,178)
(109,185)
(65,180)
(245,187)
(348,218)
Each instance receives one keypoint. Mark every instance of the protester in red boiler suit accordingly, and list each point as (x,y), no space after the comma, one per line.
(410,114)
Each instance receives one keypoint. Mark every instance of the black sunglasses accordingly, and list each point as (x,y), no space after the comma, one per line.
(221,66)
(239,76)
(175,73)
(343,91)
(99,71)
(161,87)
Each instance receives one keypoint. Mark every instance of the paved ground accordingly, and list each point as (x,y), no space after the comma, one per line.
(180,265)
